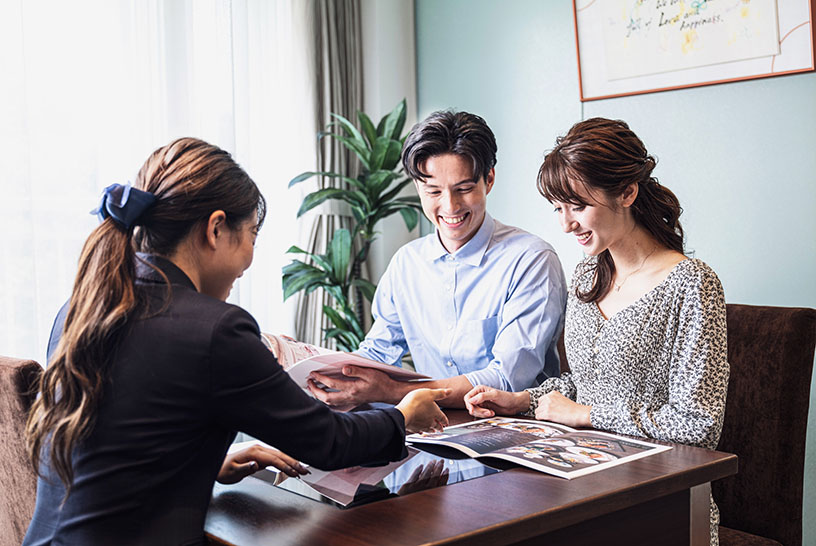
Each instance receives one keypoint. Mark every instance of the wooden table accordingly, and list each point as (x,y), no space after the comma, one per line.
(661,499)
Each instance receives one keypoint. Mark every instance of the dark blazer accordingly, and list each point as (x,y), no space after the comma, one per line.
(182,382)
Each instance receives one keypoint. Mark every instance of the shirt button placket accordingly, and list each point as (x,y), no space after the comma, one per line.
(450,296)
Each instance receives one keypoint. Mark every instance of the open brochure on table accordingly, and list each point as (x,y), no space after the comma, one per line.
(300,359)
(546,447)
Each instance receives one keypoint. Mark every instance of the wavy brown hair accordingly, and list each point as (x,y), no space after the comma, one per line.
(191,179)
(606,156)
(448,132)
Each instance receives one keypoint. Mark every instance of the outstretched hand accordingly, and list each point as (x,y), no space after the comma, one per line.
(421,412)
(360,385)
(241,464)
(482,401)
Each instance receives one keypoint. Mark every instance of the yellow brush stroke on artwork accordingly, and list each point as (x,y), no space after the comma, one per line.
(689,38)
(744,12)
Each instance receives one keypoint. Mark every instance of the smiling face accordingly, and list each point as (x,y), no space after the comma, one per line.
(232,256)
(598,223)
(452,199)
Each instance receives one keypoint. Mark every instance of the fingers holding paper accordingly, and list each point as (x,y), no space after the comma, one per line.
(357,386)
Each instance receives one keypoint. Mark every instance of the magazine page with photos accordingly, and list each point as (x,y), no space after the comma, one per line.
(300,359)
(546,447)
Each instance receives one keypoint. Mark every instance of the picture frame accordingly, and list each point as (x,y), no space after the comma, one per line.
(631,47)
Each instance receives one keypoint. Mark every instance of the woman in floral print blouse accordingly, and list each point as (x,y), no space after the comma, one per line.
(645,325)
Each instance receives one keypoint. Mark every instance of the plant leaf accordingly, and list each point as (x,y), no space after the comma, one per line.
(368,127)
(305,176)
(393,207)
(411,217)
(362,254)
(357,328)
(391,125)
(358,213)
(297,267)
(377,181)
(341,255)
(345,340)
(295,283)
(301,177)
(336,292)
(315,198)
(412,200)
(353,322)
(296,250)
(378,152)
(392,155)
(386,199)
(336,318)
(367,288)
(350,129)
(361,151)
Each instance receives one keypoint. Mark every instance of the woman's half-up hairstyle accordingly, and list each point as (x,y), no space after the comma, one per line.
(190,179)
(604,155)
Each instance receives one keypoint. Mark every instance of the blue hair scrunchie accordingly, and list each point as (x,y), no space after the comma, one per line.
(124,203)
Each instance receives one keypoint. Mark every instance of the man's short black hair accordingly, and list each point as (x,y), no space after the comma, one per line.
(448,132)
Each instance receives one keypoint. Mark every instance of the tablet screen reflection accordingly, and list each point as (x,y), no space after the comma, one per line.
(421,469)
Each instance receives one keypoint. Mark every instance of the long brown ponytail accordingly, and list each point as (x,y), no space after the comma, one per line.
(190,179)
(607,156)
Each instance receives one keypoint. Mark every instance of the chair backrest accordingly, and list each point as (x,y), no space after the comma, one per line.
(770,350)
(18,481)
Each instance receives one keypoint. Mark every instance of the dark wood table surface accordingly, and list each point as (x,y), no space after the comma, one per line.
(661,499)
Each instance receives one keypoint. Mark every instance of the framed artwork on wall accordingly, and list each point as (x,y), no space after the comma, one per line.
(629,47)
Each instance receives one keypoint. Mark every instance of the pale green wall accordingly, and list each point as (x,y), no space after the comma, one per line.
(741,157)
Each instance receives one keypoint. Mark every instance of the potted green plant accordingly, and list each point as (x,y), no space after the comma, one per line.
(371,196)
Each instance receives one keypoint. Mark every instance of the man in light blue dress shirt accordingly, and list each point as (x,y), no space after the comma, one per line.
(476,302)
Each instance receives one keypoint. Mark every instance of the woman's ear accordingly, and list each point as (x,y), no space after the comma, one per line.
(629,195)
(215,229)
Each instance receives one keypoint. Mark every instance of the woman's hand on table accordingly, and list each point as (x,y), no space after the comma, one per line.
(557,408)
(241,464)
(483,402)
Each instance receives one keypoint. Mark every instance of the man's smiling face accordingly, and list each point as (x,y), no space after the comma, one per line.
(452,199)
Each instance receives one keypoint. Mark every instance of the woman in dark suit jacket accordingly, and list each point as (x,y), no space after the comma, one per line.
(152,373)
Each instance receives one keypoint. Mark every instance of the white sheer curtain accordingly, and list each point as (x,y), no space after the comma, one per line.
(88,89)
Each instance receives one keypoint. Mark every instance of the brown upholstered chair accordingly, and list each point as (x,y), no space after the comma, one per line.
(770,350)
(18,481)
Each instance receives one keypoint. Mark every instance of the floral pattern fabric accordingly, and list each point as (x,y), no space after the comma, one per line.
(655,369)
